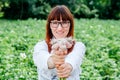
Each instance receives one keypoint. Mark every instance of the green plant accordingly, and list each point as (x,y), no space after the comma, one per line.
(101,38)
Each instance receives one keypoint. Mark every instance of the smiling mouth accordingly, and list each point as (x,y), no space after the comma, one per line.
(59,32)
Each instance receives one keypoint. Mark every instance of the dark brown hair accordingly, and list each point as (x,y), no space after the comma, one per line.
(55,14)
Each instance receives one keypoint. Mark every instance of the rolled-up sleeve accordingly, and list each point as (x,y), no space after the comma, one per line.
(76,56)
(41,55)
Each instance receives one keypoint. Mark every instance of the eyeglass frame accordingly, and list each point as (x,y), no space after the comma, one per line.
(61,23)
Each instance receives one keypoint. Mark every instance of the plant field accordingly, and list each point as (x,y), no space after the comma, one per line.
(101,37)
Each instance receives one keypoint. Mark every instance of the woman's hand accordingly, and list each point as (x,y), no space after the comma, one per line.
(58,58)
(61,52)
(64,70)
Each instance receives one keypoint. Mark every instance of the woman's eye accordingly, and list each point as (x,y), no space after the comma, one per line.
(64,22)
(55,22)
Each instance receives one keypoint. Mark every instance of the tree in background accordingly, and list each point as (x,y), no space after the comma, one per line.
(23,9)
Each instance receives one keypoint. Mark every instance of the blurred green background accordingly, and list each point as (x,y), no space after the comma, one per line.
(24,9)
(97,25)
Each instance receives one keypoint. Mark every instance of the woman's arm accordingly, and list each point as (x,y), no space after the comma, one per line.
(72,62)
(43,59)
(76,56)
(41,55)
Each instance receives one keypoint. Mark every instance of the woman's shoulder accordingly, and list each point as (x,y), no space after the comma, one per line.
(79,44)
(41,44)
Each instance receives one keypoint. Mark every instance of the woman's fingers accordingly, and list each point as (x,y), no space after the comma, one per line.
(58,60)
(64,70)
(65,52)
(61,52)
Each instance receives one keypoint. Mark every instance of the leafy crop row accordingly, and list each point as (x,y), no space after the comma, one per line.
(101,37)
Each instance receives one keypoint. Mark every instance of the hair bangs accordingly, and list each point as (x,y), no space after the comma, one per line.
(60,14)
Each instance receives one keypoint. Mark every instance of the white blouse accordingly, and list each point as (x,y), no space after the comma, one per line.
(41,55)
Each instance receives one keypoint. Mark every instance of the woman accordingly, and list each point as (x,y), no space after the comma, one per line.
(60,24)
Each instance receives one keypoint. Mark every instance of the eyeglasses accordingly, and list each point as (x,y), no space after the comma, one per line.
(64,24)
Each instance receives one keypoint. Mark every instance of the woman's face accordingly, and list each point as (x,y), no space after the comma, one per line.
(60,29)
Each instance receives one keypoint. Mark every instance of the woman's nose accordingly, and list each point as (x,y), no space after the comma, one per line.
(59,27)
